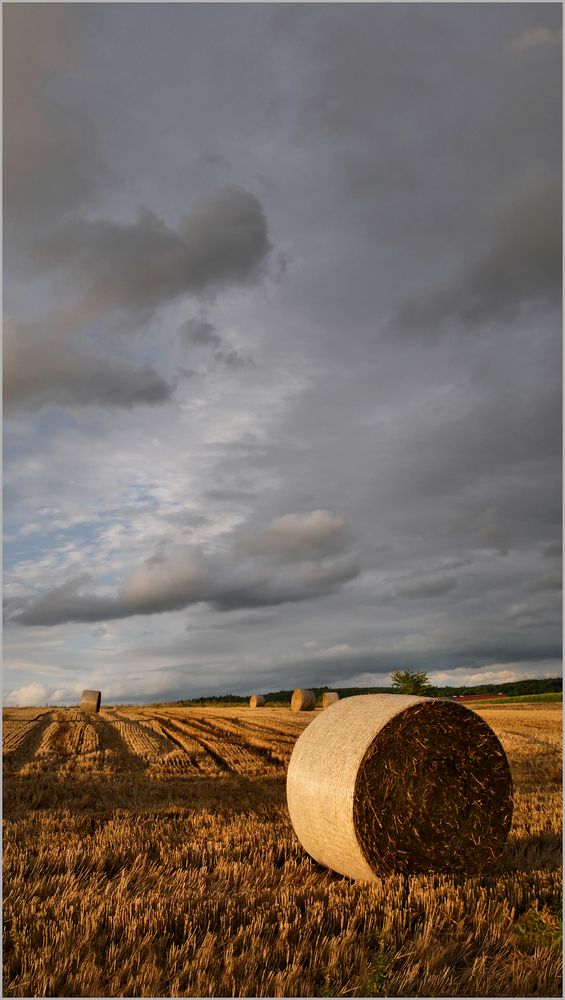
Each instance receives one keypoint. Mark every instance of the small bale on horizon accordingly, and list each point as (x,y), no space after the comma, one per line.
(303,700)
(256,701)
(90,701)
(329,698)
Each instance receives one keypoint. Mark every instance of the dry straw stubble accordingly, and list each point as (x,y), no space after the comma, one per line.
(303,700)
(90,701)
(398,783)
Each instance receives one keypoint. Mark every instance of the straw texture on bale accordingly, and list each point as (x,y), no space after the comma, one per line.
(328,698)
(399,783)
(256,701)
(90,701)
(303,700)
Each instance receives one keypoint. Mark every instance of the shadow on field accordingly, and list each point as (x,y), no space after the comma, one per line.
(138,793)
(29,745)
(524,854)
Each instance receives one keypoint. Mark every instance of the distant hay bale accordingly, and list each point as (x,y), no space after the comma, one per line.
(90,701)
(329,698)
(399,783)
(256,701)
(303,700)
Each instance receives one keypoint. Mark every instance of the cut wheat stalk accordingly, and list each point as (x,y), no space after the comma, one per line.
(90,701)
(303,700)
(399,783)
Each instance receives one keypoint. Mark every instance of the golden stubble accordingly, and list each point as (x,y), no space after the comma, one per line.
(149,852)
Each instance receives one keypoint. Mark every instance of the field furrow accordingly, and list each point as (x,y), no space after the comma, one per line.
(197,754)
(272,753)
(230,751)
(280,733)
(142,742)
(178,764)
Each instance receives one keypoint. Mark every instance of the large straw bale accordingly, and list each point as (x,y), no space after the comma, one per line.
(398,783)
(329,698)
(303,700)
(90,701)
(256,701)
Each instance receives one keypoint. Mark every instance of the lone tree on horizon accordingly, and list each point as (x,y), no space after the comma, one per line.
(410,682)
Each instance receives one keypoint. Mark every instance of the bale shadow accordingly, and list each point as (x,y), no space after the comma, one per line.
(29,745)
(526,854)
(110,739)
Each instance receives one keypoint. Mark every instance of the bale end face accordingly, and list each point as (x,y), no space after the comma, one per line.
(303,700)
(90,701)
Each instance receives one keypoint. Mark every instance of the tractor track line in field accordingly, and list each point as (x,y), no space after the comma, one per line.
(171,736)
(535,740)
(217,757)
(236,738)
(210,736)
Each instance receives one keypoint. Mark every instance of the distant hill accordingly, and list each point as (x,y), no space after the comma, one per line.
(510,689)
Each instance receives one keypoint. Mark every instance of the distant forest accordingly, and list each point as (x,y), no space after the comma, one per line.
(535,686)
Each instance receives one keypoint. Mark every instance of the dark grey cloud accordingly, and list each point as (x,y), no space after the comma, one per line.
(68,603)
(433,587)
(52,163)
(51,370)
(231,496)
(553,551)
(549,581)
(361,668)
(522,268)
(199,332)
(346,666)
(172,580)
(303,583)
(141,265)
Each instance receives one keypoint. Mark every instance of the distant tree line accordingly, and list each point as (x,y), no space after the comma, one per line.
(420,685)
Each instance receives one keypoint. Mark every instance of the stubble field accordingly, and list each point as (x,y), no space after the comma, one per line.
(149,853)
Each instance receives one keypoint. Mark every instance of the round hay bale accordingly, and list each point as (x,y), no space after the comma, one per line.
(303,700)
(329,698)
(90,701)
(256,701)
(399,783)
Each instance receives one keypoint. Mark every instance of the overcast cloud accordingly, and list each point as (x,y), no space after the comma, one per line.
(282,352)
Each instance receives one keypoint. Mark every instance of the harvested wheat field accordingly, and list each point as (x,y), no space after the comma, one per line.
(149,852)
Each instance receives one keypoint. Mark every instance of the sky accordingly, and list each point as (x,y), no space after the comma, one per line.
(282,346)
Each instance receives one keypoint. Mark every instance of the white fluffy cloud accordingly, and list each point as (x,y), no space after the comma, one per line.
(28,695)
